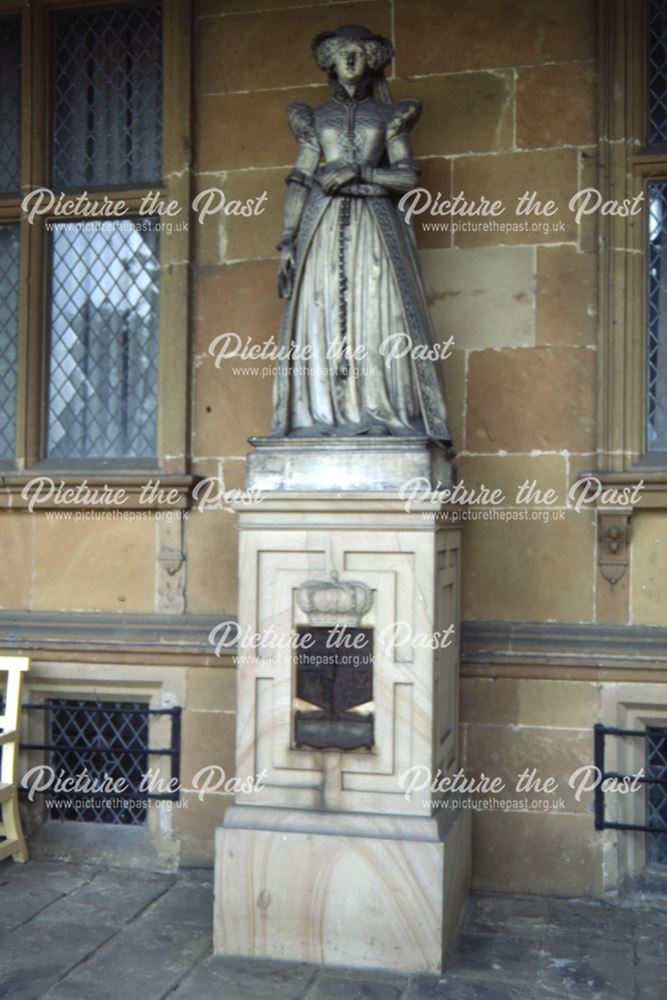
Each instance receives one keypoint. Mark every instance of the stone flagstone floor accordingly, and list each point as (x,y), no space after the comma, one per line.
(76,932)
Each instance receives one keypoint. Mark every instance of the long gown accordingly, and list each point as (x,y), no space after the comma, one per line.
(357,293)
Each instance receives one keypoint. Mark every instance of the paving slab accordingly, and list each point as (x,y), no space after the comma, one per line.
(591,918)
(223,978)
(112,897)
(449,988)
(20,903)
(482,956)
(60,940)
(577,965)
(143,962)
(651,982)
(36,955)
(507,909)
(494,914)
(187,905)
(651,938)
(54,875)
(356,985)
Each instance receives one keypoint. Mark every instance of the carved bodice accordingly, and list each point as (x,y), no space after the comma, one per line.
(352,130)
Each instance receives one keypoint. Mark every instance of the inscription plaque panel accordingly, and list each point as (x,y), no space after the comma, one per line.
(335,675)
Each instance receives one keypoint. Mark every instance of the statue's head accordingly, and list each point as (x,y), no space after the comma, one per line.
(351,52)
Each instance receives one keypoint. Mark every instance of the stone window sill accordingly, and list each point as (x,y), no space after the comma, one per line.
(653,495)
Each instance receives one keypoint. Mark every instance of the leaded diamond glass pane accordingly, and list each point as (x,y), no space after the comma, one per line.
(81,736)
(9,315)
(107,96)
(656,797)
(104,339)
(10,104)
(657,317)
(657,72)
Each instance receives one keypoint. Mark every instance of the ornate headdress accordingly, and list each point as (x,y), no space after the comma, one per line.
(379,50)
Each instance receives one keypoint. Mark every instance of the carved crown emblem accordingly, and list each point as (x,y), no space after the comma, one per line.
(334,602)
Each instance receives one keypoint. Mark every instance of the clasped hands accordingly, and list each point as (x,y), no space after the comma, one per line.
(336,175)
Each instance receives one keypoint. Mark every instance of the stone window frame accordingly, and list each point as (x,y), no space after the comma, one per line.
(173,380)
(159,686)
(625,167)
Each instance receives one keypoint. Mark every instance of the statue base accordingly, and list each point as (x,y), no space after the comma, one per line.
(346,463)
(324,857)
(341,889)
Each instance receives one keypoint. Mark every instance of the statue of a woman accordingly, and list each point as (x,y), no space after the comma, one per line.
(357,324)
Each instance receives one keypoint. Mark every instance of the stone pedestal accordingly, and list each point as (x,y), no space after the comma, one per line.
(330,861)
(340,889)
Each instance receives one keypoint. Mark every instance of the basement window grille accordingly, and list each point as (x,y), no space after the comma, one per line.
(656,798)
(654,778)
(102,739)
(97,743)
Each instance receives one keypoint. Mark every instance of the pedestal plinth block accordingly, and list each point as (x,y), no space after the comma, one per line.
(340,889)
(347,679)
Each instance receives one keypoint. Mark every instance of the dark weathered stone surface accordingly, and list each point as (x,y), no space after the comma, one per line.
(74,932)
(495,956)
(140,961)
(578,964)
(37,954)
(183,905)
(651,982)
(111,897)
(591,917)
(651,939)
(241,979)
(358,985)
(449,988)
(493,914)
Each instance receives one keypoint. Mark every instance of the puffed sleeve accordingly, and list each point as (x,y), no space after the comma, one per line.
(301,119)
(302,122)
(404,116)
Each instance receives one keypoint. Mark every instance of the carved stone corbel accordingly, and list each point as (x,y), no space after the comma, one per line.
(171,568)
(613,542)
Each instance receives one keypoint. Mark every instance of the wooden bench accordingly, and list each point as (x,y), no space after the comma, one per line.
(10,820)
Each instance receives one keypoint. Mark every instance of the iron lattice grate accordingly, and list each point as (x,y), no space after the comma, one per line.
(9,305)
(118,726)
(10,104)
(657,317)
(657,72)
(104,339)
(107,104)
(656,798)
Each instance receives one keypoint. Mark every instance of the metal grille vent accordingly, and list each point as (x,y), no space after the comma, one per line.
(657,317)
(657,72)
(111,741)
(107,86)
(656,797)
(10,104)
(104,339)
(9,305)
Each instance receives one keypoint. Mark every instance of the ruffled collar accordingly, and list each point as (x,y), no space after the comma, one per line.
(363,90)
